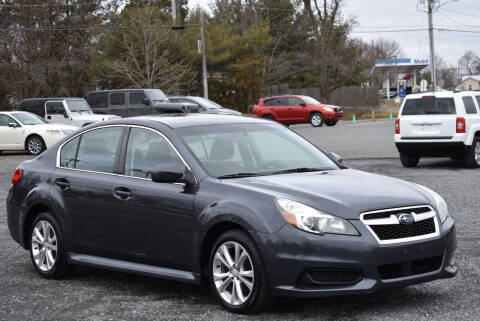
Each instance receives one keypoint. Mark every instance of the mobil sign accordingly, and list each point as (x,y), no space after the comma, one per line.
(421,61)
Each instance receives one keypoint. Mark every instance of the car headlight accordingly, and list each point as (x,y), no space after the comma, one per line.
(440,204)
(311,220)
(55,132)
(329,109)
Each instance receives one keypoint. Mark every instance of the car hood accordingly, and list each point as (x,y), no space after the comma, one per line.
(94,117)
(346,193)
(323,105)
(53,126)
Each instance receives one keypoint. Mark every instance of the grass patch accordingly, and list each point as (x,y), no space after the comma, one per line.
(366,114)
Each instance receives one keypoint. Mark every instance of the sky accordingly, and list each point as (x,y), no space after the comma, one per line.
(379,16)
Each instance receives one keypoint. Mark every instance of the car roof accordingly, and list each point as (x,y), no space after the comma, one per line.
(442,94)
(282,96)
(194,119)
(14,112)
(52,98)
(126,89)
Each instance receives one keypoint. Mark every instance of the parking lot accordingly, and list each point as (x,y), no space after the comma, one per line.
(92,294)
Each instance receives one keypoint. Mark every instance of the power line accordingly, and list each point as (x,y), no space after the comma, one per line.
(462,13)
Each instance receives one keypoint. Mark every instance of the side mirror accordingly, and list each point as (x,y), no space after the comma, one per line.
(302,104)
(336,157)
(146,101)
(168,173)
(12,124)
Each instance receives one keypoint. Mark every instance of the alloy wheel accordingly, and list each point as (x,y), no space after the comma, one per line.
(316,120)
(35,145)
(233,273)
(477,152)
(44,246)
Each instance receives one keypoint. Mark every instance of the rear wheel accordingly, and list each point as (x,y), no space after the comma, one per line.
(409,160)
(331,122)
(269,117)
(472,159)
(316,119)
(237,274)
(47,249)
(35,145)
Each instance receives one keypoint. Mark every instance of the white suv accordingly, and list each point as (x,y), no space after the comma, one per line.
(439,124)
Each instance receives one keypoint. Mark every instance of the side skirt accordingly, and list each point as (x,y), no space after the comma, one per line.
(131,267)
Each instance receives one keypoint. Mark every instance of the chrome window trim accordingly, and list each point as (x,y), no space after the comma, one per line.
(59,150)
(389,221)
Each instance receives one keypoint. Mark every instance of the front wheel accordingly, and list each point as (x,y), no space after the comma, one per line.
(316,119)
(35,145)
(409,160)
(237,274)
(331,122)
(472,159)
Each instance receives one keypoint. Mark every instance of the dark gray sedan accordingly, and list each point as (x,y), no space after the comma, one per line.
(244,203)
(205,105)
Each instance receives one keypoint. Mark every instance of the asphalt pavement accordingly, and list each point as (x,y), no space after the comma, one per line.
(93,294)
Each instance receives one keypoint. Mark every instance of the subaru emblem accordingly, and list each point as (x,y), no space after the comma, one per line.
(406,219)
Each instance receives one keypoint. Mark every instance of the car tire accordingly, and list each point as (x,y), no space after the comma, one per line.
(35,145)
(316,119)
(245,273)
(409,160)
(47,247)
(331,122)
(269,117)
(472,158)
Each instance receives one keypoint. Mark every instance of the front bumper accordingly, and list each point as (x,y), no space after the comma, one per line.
(290,254)
(333,115)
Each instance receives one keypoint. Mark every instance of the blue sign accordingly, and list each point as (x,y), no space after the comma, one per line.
(402,91)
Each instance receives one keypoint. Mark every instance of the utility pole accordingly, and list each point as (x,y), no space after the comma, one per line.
(432,47)
(204,58)
(174,12)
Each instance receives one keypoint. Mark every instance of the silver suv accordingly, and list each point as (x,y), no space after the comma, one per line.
(439,124)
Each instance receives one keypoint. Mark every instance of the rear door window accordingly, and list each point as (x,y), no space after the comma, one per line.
(97,100)
(117,99)
(470,107)
(283,101)
(429,106)
(98,148)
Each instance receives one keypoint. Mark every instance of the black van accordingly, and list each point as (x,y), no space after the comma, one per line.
(135,102)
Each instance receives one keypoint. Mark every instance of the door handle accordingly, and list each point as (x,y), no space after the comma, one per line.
(49,117)
(122,193)
(62,183)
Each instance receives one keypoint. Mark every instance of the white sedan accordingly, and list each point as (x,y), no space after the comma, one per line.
(26,131)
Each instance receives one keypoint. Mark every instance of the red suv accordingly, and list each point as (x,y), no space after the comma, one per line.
(294,109)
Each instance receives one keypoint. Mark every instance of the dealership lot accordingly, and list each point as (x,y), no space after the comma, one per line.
(103,295)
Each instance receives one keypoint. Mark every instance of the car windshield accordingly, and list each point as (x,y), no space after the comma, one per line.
(239,150)
(429,106)
(78,106)
(156,95)
(310,100)
(29,119)
(207,103)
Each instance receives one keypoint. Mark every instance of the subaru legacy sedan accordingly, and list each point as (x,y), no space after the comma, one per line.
(244,203)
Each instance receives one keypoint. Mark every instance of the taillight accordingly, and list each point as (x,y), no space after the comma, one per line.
(16,176)
(460,125)
(397,126)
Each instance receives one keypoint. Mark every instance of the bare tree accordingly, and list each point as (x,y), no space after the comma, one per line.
(144,58)
(469,63)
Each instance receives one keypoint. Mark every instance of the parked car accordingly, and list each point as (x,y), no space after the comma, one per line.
(26,131)
(440,124)
(205,105)
(383,93)
(244,202)
(71,111)
(295,109)
(136,102)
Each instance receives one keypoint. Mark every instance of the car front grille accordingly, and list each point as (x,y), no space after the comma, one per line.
(338,109)
(386,227)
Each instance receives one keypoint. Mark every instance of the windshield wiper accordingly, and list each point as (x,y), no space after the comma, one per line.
(301,170)
(238,175)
